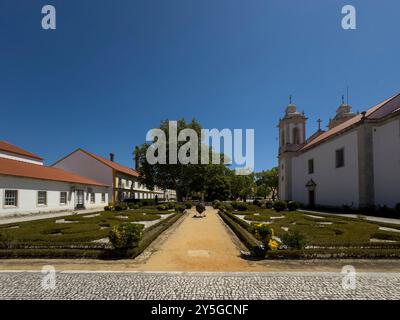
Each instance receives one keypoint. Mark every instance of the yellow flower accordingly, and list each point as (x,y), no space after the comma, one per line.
(273,244)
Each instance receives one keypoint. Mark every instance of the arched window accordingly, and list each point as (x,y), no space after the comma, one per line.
(296,135)
(282,137)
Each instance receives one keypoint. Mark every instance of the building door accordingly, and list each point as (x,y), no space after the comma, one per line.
(80,199)
(311,198)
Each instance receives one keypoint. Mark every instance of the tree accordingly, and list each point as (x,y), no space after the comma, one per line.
(267,183)
(242,186)
(185,179)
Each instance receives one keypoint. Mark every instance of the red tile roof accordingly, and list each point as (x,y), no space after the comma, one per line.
(379,111)
(29,170)
(116,166)
(5,146)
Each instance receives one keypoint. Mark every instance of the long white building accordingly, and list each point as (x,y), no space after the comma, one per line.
(29,187)
(356,162)
(123,180)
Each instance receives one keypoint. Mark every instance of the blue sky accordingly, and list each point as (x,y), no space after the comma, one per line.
(113,69)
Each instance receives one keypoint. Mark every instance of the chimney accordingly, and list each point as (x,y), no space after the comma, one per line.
(112,157)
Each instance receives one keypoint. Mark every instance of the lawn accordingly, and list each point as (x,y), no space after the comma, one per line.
(326,231)
(74,229)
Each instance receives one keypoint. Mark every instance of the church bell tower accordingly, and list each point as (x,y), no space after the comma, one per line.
(292,137)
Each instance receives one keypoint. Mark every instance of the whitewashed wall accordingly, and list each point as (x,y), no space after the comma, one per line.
(386,141)
(27,195)
(335,186)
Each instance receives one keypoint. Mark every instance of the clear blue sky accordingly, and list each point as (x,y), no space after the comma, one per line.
(113,69)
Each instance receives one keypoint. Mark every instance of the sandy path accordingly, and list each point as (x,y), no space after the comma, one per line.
(198,244)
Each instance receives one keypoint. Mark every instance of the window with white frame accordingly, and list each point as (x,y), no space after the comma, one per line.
(11,198)
(103,197)
(63,197)
(42,198)
(92,197)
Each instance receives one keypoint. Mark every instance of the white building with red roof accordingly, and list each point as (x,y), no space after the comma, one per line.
(28,187)
(124,181)
(355,163)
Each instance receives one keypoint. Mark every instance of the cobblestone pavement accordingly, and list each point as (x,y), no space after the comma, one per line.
(142,285)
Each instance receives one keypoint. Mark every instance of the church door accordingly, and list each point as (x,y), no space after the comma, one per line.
(311,198)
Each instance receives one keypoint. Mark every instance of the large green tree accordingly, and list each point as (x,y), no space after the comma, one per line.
(267,183)
(186,179)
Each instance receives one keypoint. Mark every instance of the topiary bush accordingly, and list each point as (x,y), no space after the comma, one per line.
(180,207)
(279,206)
(269,204)
(162,207)
(171,205)
(216,204)
(200,208)
(293,205)
(121,207)
(240,206)
(126,235)
(108,208)
(188,204)
(262,232)
(294,240)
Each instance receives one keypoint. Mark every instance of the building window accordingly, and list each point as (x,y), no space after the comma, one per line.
(92,197)
(11,198)
(339,158)
(42,198)
(63,197)
(283,138)
(103,197)
(310,166)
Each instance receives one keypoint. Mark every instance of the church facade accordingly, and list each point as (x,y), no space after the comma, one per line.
(355,163)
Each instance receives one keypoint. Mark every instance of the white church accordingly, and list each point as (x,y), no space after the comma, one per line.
(356,162)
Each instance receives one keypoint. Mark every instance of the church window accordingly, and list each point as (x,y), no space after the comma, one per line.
(340,158)
(283,137)
(311,166)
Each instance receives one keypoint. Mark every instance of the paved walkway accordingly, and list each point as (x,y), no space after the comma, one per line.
(40,216)
(170,286)
(198,244)
(355,216)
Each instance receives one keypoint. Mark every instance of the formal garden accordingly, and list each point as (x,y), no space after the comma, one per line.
(123,231)
(279,230)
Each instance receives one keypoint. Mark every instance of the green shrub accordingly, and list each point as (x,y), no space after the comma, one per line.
(294,240)
(180,208)
(121,207)
(216,204)
(262,232)
(240,206)
(293,205)
(268,204)
(279,206)
(188,204)
(108,208)
(398,208)
(162,207)
(171,205)
(126,235)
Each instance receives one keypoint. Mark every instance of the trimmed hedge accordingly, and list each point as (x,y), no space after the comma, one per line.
(96,252)
(246,237)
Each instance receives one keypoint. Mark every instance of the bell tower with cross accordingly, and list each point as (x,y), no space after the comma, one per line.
(292,136)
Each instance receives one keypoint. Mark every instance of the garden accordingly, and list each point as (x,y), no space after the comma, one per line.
(117,232)
(279,230)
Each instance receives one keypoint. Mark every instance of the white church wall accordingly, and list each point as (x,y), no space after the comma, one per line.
(386,141)
(335,186)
